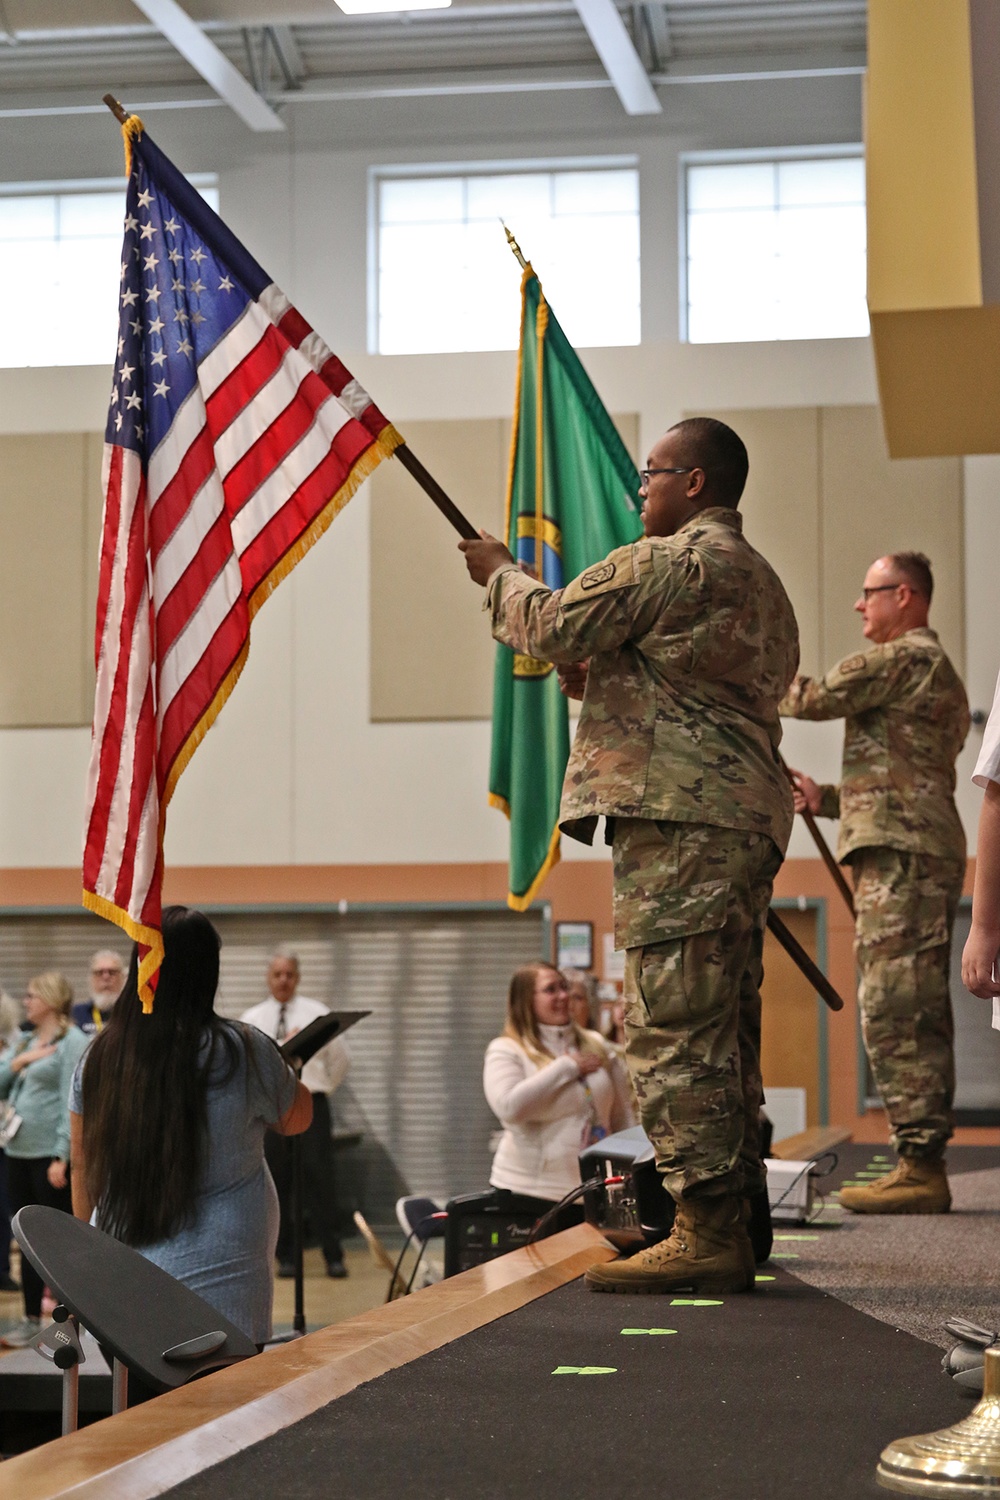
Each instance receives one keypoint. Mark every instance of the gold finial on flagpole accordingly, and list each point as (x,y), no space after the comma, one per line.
(512,242)
(118,110)
(131,125)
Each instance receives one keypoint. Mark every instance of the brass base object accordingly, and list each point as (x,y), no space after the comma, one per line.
(959,1460)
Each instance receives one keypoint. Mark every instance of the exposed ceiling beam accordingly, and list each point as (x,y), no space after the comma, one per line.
(658,26)
(216,69)
(616,50)
(468,81)
(289,56)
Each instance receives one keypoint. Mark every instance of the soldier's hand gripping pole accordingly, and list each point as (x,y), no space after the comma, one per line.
(801,959)
(824,850)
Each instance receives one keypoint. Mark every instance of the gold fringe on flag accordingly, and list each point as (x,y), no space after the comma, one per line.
(132,129)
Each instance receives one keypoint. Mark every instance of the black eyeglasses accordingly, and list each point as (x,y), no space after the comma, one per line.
(646,474)
(882,588)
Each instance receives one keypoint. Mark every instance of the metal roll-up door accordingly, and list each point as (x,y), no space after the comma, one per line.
(435,982)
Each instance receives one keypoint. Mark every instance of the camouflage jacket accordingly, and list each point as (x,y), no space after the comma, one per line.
(906,720)
(692,642)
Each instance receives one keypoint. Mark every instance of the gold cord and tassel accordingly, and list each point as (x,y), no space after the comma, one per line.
(132,128)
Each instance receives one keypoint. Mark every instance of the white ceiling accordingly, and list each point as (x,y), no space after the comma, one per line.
(58,56)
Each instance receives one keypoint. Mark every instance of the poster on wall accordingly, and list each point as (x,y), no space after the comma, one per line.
(574,945)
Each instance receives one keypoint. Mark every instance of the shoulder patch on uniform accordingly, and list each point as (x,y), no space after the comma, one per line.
(594,577)
(642,558)
(852,665)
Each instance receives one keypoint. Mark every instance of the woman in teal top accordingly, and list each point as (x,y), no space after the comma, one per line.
(35,1076)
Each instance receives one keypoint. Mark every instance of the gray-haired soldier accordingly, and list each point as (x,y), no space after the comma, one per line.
(906,718)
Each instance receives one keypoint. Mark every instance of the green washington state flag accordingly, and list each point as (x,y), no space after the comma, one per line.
(570,501)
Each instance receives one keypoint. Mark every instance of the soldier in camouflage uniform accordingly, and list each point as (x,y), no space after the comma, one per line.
(906,719)
(683,644)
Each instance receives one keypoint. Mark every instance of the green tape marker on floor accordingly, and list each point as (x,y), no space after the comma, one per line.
(759,1277)
(649,1330)
(585,1370)
(783,1255)
(694,1302)
(796,1236)
(881,1158)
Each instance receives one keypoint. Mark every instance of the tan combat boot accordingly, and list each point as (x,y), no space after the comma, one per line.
(708,1251)
(917,1185)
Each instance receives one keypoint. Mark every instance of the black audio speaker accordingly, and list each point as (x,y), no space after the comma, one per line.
(482,1226)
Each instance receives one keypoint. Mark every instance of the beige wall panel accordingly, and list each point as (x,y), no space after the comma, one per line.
(939,380)
(872,505)
(42,522)
(431,649)
(781,507)
(923,212)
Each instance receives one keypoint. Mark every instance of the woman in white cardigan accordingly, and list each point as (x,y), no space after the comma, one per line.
(554,1087)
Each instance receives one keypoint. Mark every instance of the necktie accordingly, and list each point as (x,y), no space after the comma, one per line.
(282,1028)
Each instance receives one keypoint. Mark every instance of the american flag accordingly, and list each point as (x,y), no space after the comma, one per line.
(234,437)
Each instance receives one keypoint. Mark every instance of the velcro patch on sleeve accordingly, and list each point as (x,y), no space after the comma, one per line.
(621,570)
(853,666)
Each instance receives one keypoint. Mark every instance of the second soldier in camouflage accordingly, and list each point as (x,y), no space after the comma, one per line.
(906,719)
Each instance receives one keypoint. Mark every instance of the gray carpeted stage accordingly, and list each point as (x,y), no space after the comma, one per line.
(914,1271)
(790,1393)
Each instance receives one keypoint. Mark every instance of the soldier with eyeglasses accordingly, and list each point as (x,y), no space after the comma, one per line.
(906,718)
(681,647)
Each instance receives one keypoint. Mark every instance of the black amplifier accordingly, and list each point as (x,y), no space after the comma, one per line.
(629,1207)
(482,1226)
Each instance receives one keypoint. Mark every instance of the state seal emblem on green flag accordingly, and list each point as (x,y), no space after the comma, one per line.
(570,501)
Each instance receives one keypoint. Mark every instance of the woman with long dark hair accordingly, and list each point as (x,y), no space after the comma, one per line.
(167,1117)
(554,1086)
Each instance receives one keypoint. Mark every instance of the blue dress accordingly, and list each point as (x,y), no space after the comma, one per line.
(226,1252)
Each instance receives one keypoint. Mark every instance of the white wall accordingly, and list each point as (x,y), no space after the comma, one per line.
(294,771)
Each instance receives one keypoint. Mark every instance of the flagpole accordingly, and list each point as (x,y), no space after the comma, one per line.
(823,847)
(803,962)
(515,247)
(118,110)
(828,859)
(430,486)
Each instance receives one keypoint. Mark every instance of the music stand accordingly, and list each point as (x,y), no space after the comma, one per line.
(297,1050)
(149,1321)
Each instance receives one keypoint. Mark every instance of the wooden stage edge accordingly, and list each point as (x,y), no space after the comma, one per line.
(149,1449)
(810,1143)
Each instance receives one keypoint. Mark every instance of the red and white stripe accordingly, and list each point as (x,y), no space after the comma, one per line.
(274,428)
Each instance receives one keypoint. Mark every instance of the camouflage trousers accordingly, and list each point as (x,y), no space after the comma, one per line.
(905,907)
(690,910)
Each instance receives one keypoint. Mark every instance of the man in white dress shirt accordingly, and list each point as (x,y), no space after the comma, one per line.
(280,1018)
(981,958)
